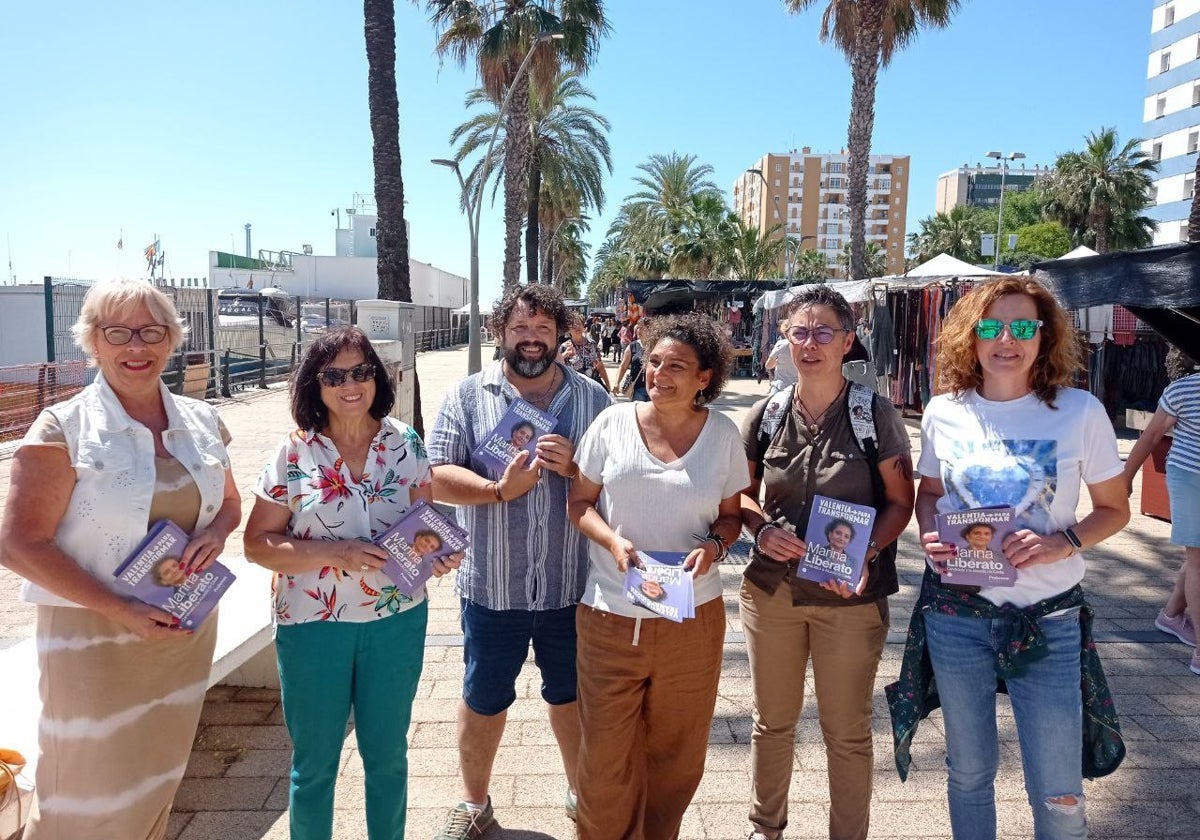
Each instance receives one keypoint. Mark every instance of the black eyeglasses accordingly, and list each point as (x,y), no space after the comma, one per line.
(1022,329)
(149,334)
(332,377)
(822,334)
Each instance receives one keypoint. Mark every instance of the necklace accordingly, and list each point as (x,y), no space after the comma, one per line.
(542,398)
(813,421)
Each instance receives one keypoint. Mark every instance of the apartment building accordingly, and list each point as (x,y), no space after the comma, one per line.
(807,193)
(1172,113)
(979,185)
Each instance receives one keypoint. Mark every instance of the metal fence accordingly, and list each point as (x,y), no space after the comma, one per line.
(234,342)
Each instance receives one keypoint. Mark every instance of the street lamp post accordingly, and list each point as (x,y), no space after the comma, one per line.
(1002,161)
(474,356)
(787,252)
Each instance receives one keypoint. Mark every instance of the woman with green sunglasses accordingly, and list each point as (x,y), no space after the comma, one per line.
(1008,431)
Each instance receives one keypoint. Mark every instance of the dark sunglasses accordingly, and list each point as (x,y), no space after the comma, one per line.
(822,334)
(1022,329)
(332,377)
(150,334)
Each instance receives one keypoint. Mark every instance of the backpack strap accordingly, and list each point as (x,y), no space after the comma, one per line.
(860,408)
(770,424)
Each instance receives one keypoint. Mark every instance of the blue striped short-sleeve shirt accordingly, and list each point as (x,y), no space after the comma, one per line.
(1181,400)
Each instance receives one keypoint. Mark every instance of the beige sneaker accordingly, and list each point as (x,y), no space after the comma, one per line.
(465,823)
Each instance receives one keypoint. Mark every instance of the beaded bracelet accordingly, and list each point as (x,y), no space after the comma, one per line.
(758,532)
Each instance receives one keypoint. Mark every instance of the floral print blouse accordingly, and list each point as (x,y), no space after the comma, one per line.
(308,476)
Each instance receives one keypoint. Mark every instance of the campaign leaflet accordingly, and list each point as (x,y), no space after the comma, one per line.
(153,573)
(976,535)
(420,537)
(518,429)
(837,537)
(662,585)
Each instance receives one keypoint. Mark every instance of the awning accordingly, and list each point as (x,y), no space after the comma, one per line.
(1160,285)
(681,294)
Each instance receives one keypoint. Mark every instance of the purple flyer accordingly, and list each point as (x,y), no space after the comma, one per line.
(662,585)
(421,536)
(518,429)
(976,535)
(837,537)
(154,575)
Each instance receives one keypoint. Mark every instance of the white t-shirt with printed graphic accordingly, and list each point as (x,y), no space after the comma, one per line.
(1024,454)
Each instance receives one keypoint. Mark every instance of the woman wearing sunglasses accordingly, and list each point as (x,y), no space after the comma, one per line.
(1010,432)
(121,683)
(346,638)
(813,449)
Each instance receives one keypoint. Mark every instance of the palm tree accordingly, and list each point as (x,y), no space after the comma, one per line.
(869,33)
(751,255)
(668,183)
(391,235)
(701,228)
(810,266)
(876,265)
(498,35)
(1098,193)
(566,257)
(569,152)
(956,233)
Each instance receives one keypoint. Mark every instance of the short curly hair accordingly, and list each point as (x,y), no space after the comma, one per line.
(308,409)
(540,298)
(1058,358)
(703,335)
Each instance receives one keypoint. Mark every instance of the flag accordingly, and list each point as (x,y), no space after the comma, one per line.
(121,242)
(151,251)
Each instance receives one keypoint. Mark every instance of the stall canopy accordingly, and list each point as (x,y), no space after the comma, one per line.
(658,295)
(484,309)
(1160,285)
(944,265)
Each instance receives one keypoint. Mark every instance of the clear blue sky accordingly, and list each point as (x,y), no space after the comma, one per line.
(190,120)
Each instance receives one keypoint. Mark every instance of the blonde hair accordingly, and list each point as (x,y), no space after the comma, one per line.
(112,299)
(1058,358)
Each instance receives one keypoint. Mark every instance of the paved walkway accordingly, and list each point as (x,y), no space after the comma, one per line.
(236,785)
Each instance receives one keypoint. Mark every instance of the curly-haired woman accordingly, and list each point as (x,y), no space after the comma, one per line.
(663,475)
(1010,432)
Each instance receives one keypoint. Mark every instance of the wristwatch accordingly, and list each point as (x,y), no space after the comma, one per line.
(1072,538)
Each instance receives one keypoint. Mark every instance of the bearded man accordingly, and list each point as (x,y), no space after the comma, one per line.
(524,572)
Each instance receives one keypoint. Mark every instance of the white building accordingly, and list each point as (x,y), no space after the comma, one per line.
(349,275)
(1171,116)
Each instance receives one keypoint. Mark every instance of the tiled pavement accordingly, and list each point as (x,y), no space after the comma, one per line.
(236,785)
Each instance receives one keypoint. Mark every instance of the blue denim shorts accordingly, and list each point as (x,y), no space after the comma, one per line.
(496,644)
(1183,486)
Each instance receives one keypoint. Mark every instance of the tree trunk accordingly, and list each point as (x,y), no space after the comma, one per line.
(1194,217)
(391,236)
(864,70)
(532,225)
(1099,221)
(516,179)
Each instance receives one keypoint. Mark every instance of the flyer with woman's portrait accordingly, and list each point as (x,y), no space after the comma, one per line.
(837,537)
(662,585)
(154,574)
(976,535)
(519,428)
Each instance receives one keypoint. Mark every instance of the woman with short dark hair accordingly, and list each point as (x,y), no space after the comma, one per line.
(346,637)
(801,442)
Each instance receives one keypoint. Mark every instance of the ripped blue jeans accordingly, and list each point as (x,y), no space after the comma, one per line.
(1048,711)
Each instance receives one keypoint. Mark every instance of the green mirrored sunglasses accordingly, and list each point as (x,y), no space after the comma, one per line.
(1021,329)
